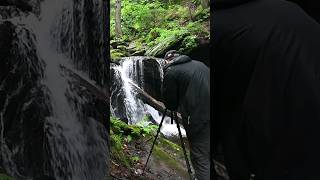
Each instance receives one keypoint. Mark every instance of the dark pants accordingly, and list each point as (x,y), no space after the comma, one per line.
(200,154)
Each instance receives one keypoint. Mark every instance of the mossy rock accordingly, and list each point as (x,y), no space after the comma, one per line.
(184,43)
(115,57)
(139,53)
(161,48)
(114,43)
(117,54)
(122,47)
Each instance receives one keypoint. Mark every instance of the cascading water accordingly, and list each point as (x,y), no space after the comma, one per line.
(75,144)
(134,108)
(131,70)
(68,138)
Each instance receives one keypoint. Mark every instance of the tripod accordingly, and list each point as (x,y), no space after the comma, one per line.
(181,140)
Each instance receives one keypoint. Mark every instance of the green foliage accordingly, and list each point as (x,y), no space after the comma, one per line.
(129,132)
(146,126)
(135,158)
(125,139)
(189,43)
(117,141)
(152,22)
(122,134)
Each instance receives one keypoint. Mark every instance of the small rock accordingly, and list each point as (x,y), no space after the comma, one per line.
(138,171)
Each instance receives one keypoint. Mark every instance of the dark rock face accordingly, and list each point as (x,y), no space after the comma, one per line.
(23,104)
(88,99)
(81,37)
(152,78)
(34,143)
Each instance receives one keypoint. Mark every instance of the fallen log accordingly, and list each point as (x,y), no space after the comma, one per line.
(146,98)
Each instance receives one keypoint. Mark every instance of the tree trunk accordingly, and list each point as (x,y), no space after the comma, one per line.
(118,18)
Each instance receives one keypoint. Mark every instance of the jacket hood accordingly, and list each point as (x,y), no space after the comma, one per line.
(221,4)
(178,60)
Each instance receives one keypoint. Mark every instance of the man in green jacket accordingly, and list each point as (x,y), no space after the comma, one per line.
(186,89)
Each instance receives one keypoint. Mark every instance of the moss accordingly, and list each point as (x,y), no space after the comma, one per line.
(122,134)
(120,156)
(164,45)
(170,161)
(169,145)
(5,177)
(122,47)
(115,57)
(129,142)
(189,43)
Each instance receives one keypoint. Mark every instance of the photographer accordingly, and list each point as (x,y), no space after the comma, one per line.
(186,89)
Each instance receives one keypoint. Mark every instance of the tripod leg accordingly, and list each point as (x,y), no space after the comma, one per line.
(183,146)
(154,141)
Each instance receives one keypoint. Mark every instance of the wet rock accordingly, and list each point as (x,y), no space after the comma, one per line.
(152,78)
(85,44)
(24,103)
(33,143)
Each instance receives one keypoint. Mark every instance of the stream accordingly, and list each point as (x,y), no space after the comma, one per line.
(147,73)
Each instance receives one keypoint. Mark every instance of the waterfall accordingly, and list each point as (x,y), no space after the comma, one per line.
(75,144)
(127,72)
(131,70)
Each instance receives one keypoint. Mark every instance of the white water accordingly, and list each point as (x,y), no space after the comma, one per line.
(135,108)
(73,158)
(63,120)
(68,138)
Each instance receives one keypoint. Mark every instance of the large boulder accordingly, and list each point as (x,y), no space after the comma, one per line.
(160,49)
(198,48)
